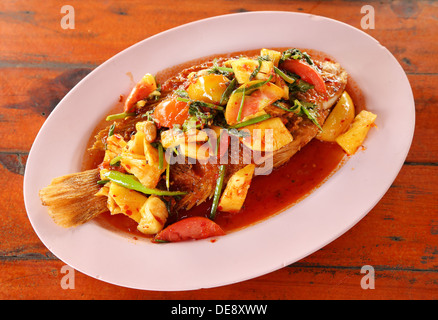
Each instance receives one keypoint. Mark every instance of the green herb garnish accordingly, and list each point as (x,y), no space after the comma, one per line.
(160,241)
(227,93)
(256,70)
(217,191)
(283,106)
(111,130)
(160,156)
(251,121)
(130,182)
(148,115)
(284,76)
(115,162)
(168,176)
(239,115)
(291,54)
(251,88)
(295,54)
(182,93)
(200,103)
(220,70)
(309,110)
(299,86)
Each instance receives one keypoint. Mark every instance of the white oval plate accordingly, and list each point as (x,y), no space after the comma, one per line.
(267,246)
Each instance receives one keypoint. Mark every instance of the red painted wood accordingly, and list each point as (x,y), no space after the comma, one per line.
(40,62)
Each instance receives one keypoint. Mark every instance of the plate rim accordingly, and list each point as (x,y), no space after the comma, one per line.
(116,56)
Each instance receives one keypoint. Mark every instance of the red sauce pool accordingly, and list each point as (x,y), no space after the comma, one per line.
(268,195)
(271,194)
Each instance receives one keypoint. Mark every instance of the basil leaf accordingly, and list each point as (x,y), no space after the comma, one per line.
(299,86)
(227,93)
(296,54)
(182,93)
(309,110)
(220,70)
(256,70)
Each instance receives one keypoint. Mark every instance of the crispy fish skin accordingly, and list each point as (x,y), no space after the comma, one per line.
(198,179)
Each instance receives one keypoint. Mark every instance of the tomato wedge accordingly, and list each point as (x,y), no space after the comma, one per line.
(252,104)
(171,112)
(192,228)
(141,91)
(306,72)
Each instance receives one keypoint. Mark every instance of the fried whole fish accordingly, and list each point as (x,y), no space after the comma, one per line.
(196,178)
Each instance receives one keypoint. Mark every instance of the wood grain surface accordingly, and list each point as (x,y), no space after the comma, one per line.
(40,62)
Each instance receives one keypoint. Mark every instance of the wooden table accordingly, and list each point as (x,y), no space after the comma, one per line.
(40,62)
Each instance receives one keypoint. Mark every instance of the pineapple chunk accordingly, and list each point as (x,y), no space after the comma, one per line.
(153,216)
(140,145)
(269,135)
(338,120)
(172,138)
(244,67)
(142,160)
(114,146)
(148,174)
(351,140)
(279,82)
(197,151)
(151,154)
(126,201)
(103,191)
(188,142)
(273,55)
(136,144)
(195,135)
(234,195)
